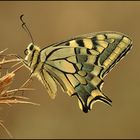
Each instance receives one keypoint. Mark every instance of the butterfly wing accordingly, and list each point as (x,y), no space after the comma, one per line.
(112,49)
(80,64)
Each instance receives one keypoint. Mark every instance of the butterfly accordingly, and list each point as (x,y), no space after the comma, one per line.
(78,65)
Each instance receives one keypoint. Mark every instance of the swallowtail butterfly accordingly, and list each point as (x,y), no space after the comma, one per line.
(78,65)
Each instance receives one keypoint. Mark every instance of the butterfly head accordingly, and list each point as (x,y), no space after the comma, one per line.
(30,53)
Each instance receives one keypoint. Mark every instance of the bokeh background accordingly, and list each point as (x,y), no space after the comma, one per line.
(50,22)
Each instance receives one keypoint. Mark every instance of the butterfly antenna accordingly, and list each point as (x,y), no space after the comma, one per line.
(24,26)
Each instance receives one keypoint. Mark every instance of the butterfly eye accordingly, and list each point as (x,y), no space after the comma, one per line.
(26,52)
(31,47)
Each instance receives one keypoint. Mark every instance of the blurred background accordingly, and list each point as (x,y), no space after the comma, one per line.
(50,22)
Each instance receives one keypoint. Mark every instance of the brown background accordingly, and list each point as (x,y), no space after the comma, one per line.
(50,22)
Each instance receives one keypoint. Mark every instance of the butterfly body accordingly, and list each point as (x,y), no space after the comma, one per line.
(78,65)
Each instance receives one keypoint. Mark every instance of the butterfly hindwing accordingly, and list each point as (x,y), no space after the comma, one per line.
(49,83)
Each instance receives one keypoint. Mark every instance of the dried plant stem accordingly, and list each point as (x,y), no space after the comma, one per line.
(7,131)
(15,100)
(1,52)
(20,89)
(16,64)
(17,69)
(26,82)
(8,96)
(8,61)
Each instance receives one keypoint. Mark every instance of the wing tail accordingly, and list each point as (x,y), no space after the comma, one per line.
(86,101)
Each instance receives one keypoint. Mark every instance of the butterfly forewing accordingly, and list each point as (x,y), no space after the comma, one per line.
(80,64)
